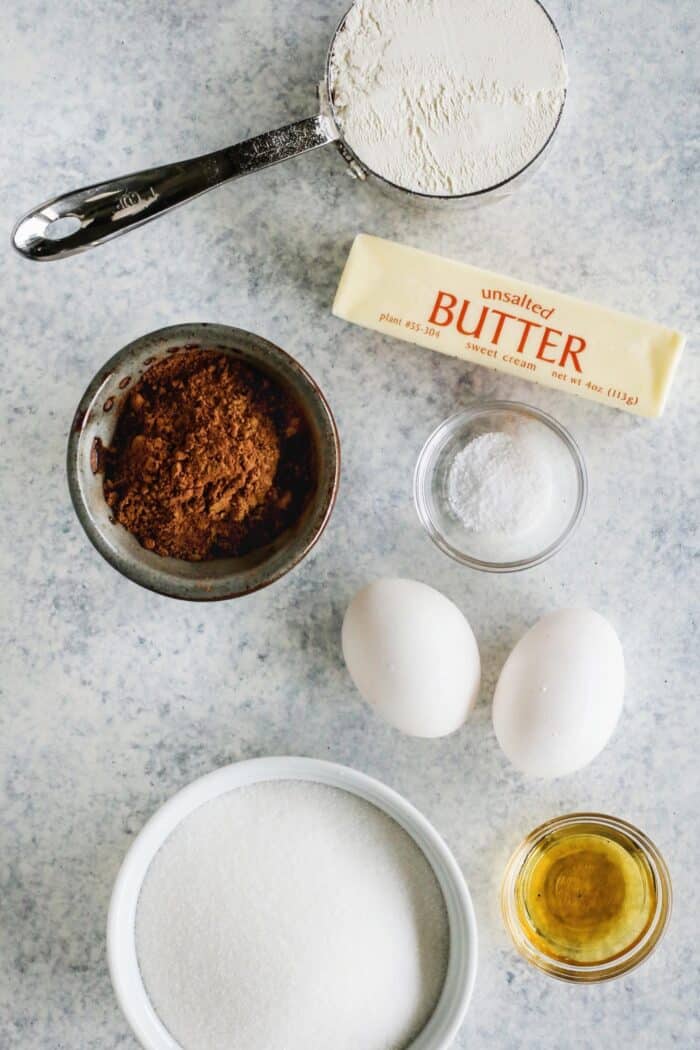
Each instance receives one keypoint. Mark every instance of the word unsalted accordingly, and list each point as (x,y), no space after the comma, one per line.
(497,321)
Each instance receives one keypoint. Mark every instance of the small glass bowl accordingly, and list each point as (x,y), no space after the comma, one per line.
(626,835)
(492,552)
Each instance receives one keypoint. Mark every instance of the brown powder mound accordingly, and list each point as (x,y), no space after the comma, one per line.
(210,458)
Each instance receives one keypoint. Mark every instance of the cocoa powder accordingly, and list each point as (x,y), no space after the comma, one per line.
(210,458)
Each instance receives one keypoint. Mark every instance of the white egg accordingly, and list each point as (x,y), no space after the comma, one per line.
(412,655)
(559,695)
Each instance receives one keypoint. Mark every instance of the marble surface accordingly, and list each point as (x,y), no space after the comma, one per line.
(113,698)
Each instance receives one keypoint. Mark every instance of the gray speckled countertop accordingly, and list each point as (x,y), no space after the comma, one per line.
(113,698)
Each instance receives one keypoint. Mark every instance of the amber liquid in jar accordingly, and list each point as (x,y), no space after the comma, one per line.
(584,896)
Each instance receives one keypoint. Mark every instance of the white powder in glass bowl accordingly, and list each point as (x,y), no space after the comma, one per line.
(446,97)
(291,916)
(499,484)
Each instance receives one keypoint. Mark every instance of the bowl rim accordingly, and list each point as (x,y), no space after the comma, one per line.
(426,463)
(625,961)
(446,1019)
(166,585)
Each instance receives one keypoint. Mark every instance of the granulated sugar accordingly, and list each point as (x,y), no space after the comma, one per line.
(291,916)
(447,96)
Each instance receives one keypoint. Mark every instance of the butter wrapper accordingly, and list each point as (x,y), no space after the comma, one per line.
(510,325)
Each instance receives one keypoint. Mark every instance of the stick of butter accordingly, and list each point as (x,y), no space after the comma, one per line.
(506,324)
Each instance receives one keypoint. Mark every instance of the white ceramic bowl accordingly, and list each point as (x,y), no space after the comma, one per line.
(448,1015)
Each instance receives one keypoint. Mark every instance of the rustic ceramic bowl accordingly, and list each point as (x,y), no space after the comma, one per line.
(94,424)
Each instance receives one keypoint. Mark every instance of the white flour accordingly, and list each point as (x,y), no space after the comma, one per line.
(291,916)
(497,484)
(447,96)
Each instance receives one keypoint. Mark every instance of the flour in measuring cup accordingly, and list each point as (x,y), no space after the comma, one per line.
(446,97)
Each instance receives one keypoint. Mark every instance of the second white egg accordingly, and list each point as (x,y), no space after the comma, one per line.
(559,695)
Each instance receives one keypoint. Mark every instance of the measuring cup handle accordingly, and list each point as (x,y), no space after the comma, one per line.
(79,220)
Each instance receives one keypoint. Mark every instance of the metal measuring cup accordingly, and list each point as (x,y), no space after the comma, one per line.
(89,216)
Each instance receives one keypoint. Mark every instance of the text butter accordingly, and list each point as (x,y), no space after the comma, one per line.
(506,324)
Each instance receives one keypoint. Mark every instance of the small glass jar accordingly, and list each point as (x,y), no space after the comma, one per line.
(526,548)
(543,851)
